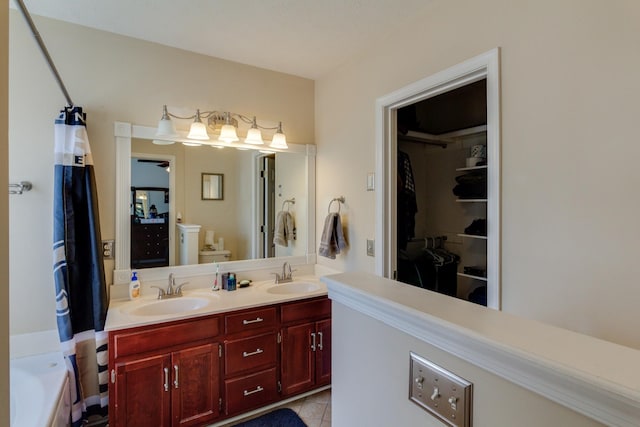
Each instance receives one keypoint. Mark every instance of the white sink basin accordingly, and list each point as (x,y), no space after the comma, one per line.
(293,288)
(167,306)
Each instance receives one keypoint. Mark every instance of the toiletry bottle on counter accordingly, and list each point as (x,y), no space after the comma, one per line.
(231,282)
(134,286)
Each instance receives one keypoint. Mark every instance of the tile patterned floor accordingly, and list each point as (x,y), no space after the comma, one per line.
(314,410)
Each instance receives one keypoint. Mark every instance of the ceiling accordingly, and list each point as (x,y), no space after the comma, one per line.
(307,38)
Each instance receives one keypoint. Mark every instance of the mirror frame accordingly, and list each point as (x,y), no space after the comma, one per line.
(123,133)
(220,185)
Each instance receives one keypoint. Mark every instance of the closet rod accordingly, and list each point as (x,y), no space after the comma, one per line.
(44,50)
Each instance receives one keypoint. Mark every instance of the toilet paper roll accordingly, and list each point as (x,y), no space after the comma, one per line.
(208,238)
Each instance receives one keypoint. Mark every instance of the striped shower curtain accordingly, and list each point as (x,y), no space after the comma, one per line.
(81,294)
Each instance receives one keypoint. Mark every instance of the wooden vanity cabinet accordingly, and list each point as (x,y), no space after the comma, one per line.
(165,375)
(197,371)
(250,359)
(305,361)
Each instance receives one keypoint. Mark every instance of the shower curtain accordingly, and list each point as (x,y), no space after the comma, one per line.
(81,294)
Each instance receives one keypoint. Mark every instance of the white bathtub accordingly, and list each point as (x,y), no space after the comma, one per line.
(39,395)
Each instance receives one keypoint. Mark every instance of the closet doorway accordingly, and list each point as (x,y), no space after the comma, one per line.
(440,169)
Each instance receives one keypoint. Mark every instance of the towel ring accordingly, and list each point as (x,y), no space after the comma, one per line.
(340,200)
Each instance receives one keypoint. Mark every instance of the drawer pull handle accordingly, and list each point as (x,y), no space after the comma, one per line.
(320,343)
(175,381)
(313,341)
(166,379)
(256,320)
(253,353)
(257,390)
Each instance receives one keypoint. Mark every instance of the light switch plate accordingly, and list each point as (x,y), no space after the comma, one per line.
(442,393)
(371,247)
(371,182)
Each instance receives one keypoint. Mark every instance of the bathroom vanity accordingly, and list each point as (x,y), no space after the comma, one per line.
(209,356)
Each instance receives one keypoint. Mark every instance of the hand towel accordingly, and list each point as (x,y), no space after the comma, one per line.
(332,240)
(284,229)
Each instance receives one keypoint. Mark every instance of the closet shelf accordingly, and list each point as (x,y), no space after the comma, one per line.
(484,279)
(472,236)
(471,200)
(473,168)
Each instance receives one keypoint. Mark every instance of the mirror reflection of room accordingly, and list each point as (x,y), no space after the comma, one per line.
(243,217)
(149,212)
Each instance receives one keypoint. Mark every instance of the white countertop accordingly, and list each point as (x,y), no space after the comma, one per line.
(256,295)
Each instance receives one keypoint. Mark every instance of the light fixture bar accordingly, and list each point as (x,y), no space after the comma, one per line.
(227,125)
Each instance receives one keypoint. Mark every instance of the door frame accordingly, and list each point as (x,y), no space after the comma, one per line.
(484,66)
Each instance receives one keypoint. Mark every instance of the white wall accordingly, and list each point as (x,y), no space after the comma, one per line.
(569,147)
(4,213)
(370,373)
(114,78)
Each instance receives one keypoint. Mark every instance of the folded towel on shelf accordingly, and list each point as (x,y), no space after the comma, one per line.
(332,240)
(284,229)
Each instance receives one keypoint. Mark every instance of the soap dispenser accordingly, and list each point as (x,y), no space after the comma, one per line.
(134,286)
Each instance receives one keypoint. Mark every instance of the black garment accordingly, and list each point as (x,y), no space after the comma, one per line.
(472,185)
(433,269)
(477,228)
(407,204)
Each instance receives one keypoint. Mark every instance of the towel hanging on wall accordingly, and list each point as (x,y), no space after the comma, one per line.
(285,230)
(332,240)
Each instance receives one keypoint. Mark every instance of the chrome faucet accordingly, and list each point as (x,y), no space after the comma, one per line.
(172,290)
(286,275)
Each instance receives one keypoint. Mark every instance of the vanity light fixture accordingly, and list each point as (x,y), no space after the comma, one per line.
(228,130)
(198,130)
(166,130)
(254,136)
(226,123)
(279,140)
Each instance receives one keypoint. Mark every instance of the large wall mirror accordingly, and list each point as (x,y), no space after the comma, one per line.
(255,188)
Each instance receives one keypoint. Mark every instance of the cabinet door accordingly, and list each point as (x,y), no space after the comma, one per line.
(195,385)
(323,352)
(297,364)
(143,393)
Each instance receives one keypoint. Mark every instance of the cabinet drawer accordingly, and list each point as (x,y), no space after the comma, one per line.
(251,391)
(250,320)
(250,353)
(161,337)
(306,310)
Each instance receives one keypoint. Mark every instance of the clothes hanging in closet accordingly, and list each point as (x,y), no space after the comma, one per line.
(406,198)
(434,268)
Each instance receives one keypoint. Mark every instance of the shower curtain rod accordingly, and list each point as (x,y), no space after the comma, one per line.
(44,50)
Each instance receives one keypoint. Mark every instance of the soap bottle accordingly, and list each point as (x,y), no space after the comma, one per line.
(134,286)
(231,282)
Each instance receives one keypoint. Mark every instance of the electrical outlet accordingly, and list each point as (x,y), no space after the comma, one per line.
(371,247)
(442,393)
(107,249)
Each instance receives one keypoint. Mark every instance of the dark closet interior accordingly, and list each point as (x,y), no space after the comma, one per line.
(442,193)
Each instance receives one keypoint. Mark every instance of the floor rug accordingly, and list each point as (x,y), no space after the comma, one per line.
(284,417)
